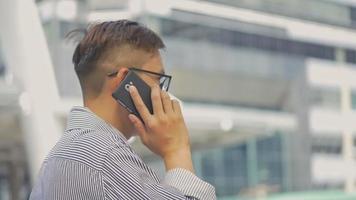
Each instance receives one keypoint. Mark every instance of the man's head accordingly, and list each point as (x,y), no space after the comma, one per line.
(114,46)
(108,46)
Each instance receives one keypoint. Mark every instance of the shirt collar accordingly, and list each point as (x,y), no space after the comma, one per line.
(83,118)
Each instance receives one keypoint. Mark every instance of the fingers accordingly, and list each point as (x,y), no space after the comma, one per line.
(140,127)
(156,100)
(167,102)
(161,103)
(176,107)
(140,106)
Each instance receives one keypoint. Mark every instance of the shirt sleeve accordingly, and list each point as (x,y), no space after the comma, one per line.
(189,184)
(125,176)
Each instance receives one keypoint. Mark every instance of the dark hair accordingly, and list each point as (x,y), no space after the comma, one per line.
(100,38)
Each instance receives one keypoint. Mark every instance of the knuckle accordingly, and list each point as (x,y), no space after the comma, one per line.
(140,106)
(151,124)
(155,96)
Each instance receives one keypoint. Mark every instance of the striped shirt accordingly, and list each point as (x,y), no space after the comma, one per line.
(93,161)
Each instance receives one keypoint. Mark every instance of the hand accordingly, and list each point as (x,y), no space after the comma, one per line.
(164,132)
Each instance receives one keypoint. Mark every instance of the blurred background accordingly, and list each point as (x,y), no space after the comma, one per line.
(268,86)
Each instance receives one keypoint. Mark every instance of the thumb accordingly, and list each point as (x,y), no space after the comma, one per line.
(140,127)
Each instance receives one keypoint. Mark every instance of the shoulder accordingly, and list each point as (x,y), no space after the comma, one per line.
(87,146)
(123,161)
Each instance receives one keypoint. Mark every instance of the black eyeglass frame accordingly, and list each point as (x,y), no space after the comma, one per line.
(112,74)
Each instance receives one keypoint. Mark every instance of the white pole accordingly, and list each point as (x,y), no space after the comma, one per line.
(26,55)
(347,139)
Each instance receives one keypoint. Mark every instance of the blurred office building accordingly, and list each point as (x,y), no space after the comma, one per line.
(268,88)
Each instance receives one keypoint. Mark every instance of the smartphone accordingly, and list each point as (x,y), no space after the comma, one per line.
(123,97)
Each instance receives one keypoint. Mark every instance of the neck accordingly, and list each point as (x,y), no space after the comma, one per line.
(112,114)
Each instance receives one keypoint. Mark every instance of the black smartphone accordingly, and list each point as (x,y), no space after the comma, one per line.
(122,94)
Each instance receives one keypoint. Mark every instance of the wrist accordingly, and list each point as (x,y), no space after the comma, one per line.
(179,159)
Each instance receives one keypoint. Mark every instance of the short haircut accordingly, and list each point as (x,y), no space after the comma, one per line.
(99,41)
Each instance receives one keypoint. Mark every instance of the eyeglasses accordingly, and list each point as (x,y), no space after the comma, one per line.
(164,80)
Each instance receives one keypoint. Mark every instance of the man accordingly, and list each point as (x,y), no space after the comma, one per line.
(93,159)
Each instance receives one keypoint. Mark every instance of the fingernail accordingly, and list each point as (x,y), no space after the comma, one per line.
(131,88)
(132,118)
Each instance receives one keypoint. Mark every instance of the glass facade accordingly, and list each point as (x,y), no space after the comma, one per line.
(309,10)
(242,39)
(234,169)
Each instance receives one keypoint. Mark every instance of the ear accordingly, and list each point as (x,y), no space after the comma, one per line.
(120,76)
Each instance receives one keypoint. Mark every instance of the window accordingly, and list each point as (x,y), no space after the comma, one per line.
(192,31)
(269,151)
(326,98)
(326,144)
(350,56)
